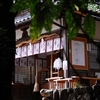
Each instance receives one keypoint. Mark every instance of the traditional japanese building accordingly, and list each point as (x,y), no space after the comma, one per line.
(36,58)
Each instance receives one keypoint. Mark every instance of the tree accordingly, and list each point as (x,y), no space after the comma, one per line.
(7,49)
(44,11)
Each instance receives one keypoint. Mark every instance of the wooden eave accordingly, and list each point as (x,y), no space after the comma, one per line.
(46,37)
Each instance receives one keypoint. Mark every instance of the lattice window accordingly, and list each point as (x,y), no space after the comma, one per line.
(24,74)
(93,53)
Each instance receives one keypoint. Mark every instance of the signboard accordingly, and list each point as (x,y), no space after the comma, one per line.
(40,47)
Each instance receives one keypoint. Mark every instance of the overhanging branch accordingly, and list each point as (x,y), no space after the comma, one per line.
(59,25)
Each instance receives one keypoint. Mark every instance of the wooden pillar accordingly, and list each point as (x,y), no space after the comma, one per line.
(66,73)
(51,64)
(36,86)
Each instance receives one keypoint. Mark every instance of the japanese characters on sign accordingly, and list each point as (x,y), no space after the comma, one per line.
(40,47)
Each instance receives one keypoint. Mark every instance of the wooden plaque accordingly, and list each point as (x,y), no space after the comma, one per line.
(78,53)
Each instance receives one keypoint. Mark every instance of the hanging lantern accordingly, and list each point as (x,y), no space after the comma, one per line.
(57,63)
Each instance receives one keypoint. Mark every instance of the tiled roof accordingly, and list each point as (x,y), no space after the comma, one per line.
(22,17)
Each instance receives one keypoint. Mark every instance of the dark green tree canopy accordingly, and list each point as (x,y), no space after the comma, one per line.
(43,12)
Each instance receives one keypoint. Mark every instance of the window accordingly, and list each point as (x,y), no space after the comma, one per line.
(93,53)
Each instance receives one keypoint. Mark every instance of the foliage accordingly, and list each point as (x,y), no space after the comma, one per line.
(89,26)
(43,12)
(76,84)
(73,27)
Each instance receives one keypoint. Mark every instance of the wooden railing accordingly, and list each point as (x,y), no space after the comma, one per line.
(63,83)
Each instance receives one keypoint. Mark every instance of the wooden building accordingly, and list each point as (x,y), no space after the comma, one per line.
(82,54)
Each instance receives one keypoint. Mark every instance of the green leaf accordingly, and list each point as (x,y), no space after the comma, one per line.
(43,15)
(35,28)
(69,18)
(72,32)
(73,27)
(89,26)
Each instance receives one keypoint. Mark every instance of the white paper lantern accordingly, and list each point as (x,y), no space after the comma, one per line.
(57,63)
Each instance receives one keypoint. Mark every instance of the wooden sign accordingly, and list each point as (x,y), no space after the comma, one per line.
(49,45)
(78,54)
(18,52)
(24,51)
(36,48)
(56,45)
(29,48)
(43,47)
